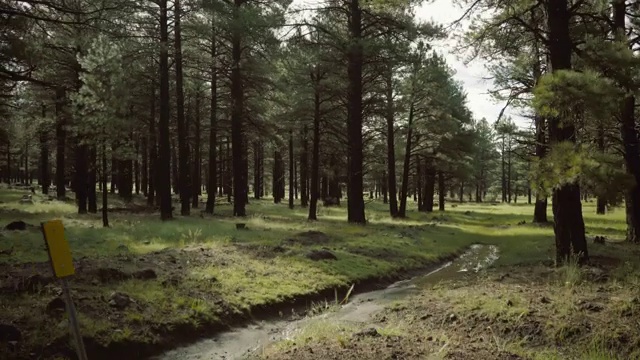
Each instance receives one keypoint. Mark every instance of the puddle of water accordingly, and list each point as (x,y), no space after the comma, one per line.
(242,342)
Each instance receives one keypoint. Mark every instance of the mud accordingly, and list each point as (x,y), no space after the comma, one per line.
(249,341)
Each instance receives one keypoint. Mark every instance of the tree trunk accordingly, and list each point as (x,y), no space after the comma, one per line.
(256,170)
(429,188)
(629,135)
(125,179)
(213,126)
(153,149)
(114,170)
(136,169)
(278,177)
(503,169)
(461,191)
(355,201)
(237,113)
(567,208)
(197,161)
(441,191)
(315,161)
(291,170)
(540,210)
(228,180)
(419,178)
(144,170)
(184,183)
(175,177)
(391,150)
(383,187)
(45,176)
(103,180)
(93,178)
(509,190)
(402,212)
(61,135)
(304,169)
(164,152)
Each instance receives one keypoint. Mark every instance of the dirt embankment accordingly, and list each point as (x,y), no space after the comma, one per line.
(532,312)
(131,324)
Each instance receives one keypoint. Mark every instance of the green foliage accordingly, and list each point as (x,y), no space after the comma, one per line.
(569,94)
(103,98)
(564,164)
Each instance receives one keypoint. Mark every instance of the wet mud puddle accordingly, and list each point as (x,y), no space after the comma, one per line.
(243,342)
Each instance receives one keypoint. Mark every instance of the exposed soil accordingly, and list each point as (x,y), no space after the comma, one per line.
(508,313)
(29,289)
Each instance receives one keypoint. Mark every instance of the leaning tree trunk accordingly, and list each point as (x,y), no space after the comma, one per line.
(164,152)
(355,201)
(567,208)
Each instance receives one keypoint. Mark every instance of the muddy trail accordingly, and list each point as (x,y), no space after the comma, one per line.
(360,309)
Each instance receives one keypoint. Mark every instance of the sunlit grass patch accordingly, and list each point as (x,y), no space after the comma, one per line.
(321,331)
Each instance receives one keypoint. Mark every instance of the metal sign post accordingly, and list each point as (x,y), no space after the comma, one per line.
(62,265)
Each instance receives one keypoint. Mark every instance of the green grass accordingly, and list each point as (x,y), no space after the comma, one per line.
(244,272)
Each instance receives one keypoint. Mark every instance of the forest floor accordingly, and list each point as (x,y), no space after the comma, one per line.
(143,285)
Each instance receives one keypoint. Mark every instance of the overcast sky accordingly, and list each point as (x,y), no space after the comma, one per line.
(471,75)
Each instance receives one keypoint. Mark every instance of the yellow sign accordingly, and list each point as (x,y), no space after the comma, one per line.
(58,247)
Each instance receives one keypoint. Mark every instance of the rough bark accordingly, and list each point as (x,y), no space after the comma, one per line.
(153,149)
(93,178)
(237,113)
(105,195)
(197,161)
(441,191)
(291,170)
(629,133)
(567,208)
(315,160)
(304,169)
(355,201)
(429,188)
(45,176)
(402,212)
(164,152)
(391,150)
(184,181)
(213,127)
(61,135)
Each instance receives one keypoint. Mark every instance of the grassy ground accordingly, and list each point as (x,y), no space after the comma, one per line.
(198,273)
(519,309)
